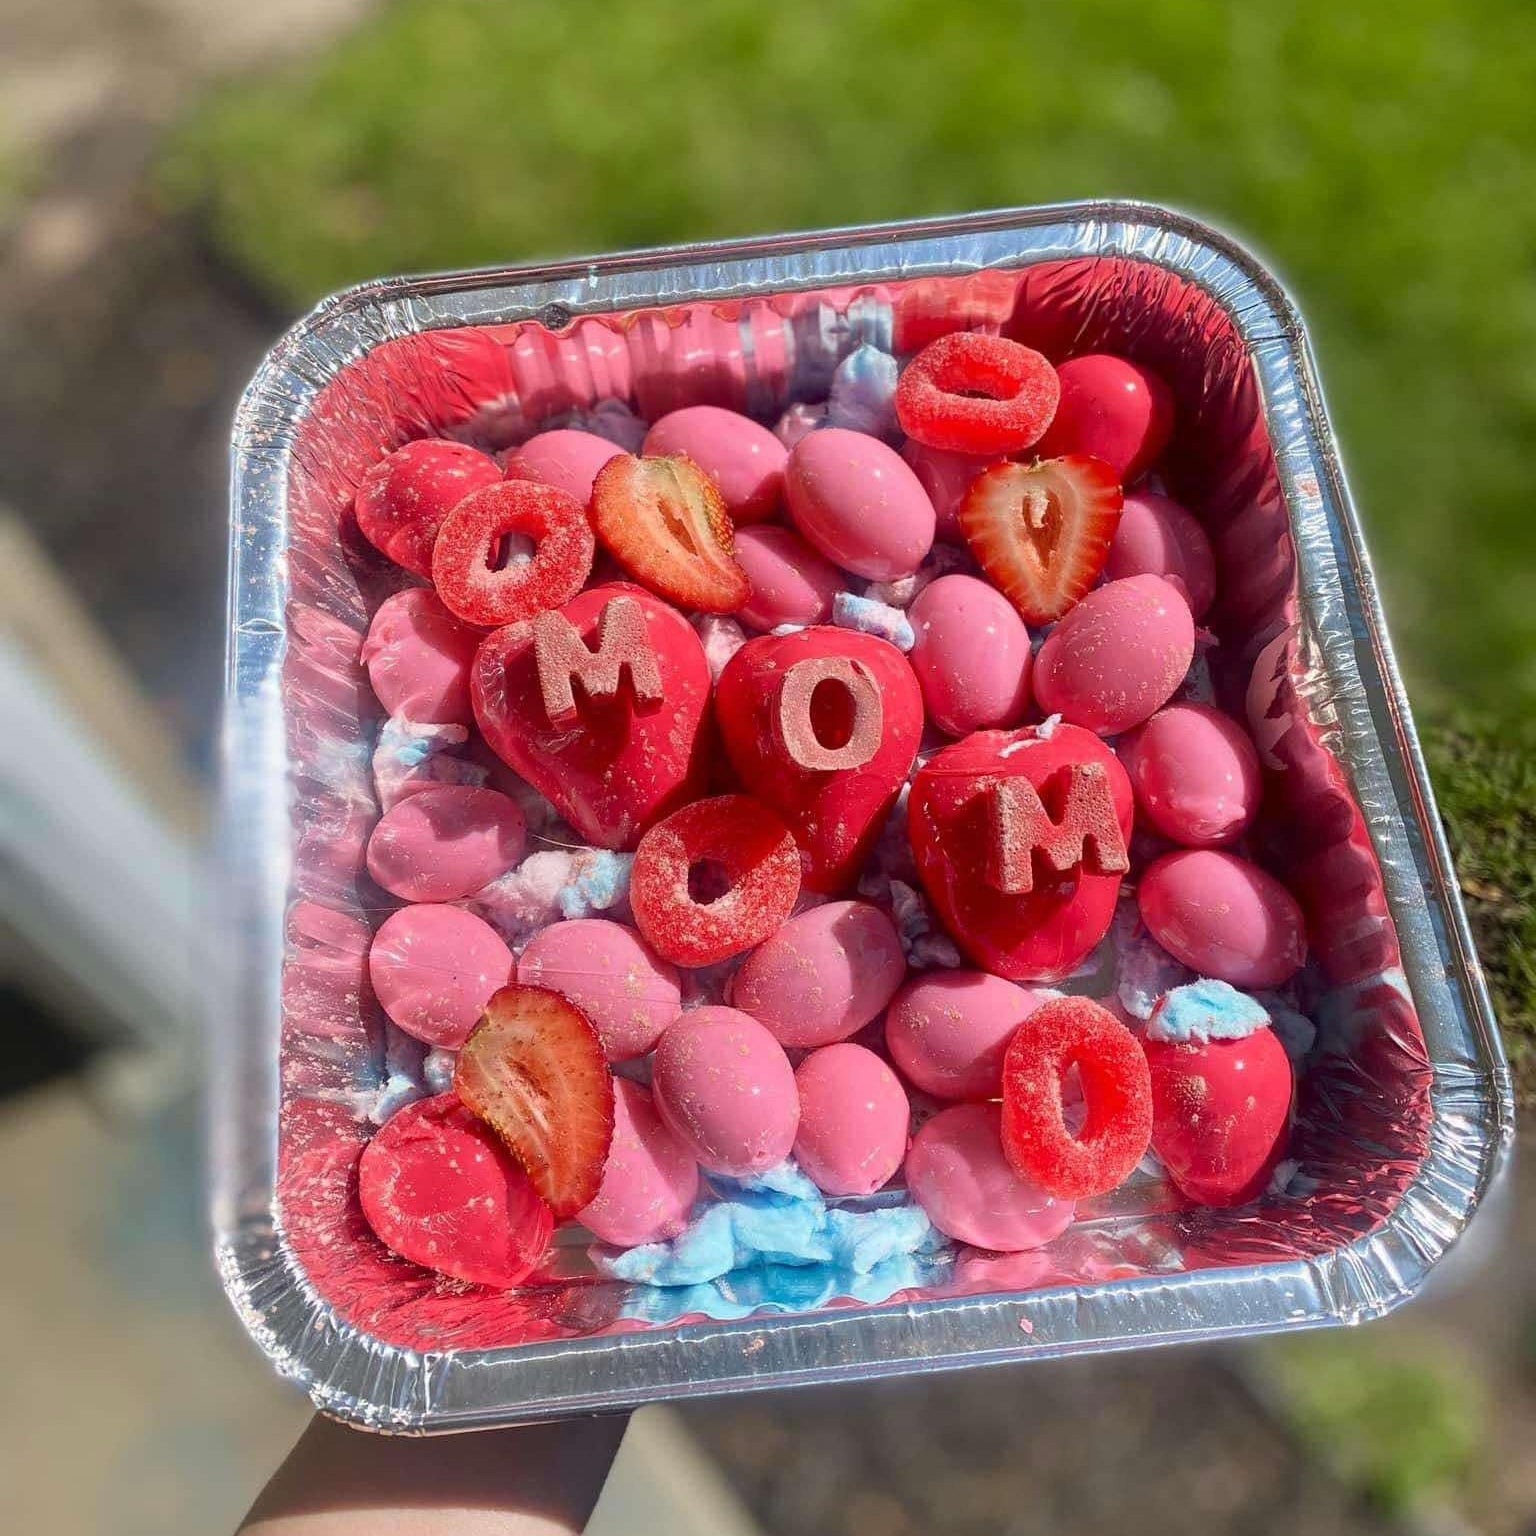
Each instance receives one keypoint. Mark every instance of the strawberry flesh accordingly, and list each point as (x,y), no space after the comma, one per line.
(664,520)
(1041,532)
(533,1069)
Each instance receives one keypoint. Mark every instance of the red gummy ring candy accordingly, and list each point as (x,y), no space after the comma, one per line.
(761,866)
(480,578)
(967,393)
(1117,1095)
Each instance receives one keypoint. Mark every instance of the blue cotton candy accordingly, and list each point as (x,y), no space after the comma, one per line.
(864,614)
(782,1288)
(1205,1010)
(784,1181)
(776,1222)
(601,882)
(863,396)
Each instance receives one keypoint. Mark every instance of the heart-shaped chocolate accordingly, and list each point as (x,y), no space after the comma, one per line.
(602,706)
(823,725)
(1020,838)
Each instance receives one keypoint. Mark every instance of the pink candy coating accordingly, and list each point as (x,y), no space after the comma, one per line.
(972,655)
(434,969)
(791,583)
(859,503)
(957,1172)
(1195,773)
(824,975)
(1223,917)
(946,477)
(726,1089)
(567,459)
(628,991)
(853,1120)
(1113,409)
(1116,657)
(745,460)
(650,1179)
(418,658)
(444,841)
(949,1030)
(1158,537)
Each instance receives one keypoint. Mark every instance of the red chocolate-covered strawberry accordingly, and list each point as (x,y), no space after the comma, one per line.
(403,499)
(822,725)
(1020,838)
(1115,410)
(601,705)
(1221,1106)
(533,1069)
(439,1189)
(1042,531)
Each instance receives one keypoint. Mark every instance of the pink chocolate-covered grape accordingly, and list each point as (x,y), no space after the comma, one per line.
(946,477)
(434,969)
(1113,409)
(1158,537)
(791,583)
(823,975)
(1117,656)
(446,841)
(418,658)
(745,460)
(948,1031)
(957,1172)
(566,458)
(1195,773)
(726,1089)
(650,1179)
(971,655)
(853,1120)
(859,503)
(1223,917)
(628,991)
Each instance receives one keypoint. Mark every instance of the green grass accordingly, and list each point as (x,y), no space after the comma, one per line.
(1401,1427)
(1379,153)
(1485,780)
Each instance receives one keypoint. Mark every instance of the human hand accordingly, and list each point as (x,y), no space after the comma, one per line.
(538,1481)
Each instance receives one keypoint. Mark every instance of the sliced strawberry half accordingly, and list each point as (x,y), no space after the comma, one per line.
(1042,531)
(533,1069)
(664,521)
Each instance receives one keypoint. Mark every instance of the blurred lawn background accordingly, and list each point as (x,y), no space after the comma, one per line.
(1379,155)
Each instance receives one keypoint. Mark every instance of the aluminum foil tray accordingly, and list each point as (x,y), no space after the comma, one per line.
(1405,1110)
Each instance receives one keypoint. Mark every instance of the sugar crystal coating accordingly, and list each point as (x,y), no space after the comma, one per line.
(968,393)
(1063,1033)
(753,851)
(479,565)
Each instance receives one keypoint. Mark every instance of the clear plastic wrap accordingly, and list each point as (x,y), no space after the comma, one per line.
(1405,1111)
